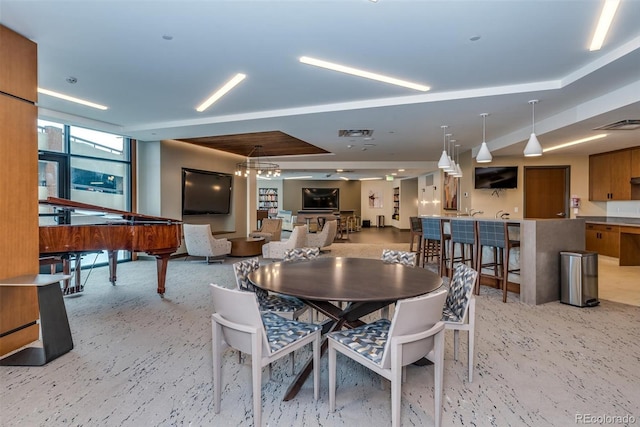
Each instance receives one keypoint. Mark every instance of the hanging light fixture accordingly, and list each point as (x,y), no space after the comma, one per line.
(444,163)
(260,168)
(452,164)
(533,148)
(484,155)
(458,172)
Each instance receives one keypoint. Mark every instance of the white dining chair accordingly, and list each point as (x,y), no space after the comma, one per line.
(238,323)
(285,306)
(459,311)
(391,256)
(386,347)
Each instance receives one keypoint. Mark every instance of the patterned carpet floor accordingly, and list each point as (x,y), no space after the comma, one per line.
(140,360)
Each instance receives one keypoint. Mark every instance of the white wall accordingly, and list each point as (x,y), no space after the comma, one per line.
(385,188)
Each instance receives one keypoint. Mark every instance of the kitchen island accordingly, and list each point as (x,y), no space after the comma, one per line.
(541,241)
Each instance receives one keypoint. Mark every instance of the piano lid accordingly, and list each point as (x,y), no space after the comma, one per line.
(129,216)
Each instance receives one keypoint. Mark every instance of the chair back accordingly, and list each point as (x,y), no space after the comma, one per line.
(298,237)
(406,258)
(197,239)
(273,226)
(456,305)
(463,231)
(242,270)
(431,228)
(492,233)
(415,224)
(412,316)
(240,308)
(296,254)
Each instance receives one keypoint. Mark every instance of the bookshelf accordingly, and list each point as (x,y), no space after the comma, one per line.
(268,200)
(396,204)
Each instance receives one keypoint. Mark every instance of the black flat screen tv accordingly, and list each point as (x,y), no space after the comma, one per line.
(496,177)
(320,198)
(206,193)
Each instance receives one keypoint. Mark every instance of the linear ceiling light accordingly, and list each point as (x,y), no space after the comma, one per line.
(72,99)
(362,73)
(606,17)
(221,92)
(370,179)
(299,177)
(577,141)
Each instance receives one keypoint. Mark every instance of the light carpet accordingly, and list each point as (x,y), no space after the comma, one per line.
(140,360)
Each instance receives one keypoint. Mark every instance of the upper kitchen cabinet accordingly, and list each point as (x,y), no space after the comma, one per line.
(610,175)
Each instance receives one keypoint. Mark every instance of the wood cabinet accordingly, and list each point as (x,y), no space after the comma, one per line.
(635,162)
(603,239)
(610,176)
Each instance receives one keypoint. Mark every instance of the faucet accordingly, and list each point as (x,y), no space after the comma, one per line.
(498,213)
(503,215)
(474,212)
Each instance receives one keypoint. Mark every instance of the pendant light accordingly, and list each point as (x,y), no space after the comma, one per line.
(458,173)
(452,164)
(484,155)
(444,163)
(533,148)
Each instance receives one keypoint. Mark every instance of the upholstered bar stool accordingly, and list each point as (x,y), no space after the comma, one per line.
(431,241)
(463,237)
(416,231)
(495,235)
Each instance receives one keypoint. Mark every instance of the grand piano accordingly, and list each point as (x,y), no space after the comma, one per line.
(120,230)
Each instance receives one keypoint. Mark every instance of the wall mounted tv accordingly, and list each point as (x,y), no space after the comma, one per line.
(496,177)
(320,198)
(205,193)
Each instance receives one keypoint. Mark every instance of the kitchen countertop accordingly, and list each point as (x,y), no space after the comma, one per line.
(634,222)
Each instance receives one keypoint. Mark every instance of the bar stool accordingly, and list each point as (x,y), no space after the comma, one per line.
(495,234)
(416,231)
(433,242)
(463,236)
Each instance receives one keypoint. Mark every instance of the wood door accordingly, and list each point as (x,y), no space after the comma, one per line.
(546,192)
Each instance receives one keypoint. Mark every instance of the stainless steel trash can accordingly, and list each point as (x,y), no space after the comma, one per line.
(380,221)
(579,278)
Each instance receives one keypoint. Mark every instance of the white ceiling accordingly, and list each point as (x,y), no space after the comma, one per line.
(528,49)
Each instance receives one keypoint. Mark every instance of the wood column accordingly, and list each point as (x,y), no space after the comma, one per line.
(18,187)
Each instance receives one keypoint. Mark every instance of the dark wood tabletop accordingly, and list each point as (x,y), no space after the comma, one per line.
(345,279)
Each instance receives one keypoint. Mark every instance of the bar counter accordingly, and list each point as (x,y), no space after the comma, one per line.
(541,241)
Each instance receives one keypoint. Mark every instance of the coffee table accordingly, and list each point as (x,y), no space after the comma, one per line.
(246,246)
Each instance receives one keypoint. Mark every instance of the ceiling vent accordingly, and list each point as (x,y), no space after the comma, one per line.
(629,124)
(355,133)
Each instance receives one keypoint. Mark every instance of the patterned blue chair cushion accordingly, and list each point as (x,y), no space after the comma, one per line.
(431,228)
(459,294)
(492,234)
(282,332)
(463,231)
(301,254)
(279,303)
(368,340)
(242,270)
(399,257)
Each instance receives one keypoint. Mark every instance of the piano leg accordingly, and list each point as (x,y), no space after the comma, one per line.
(113,263)
(161,261)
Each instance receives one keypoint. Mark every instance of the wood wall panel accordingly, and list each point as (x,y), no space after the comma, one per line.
(18,186)
(18,65)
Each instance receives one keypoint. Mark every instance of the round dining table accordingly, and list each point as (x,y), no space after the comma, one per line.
(365,284)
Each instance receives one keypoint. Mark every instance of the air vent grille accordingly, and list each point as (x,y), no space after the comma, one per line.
(629,124)
(355,133)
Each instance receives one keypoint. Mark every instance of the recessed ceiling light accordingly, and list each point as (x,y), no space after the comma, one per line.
(72,99)
(606,17)
(577,141)
(72,80)
(221,92)
(362,73)
(400,170)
